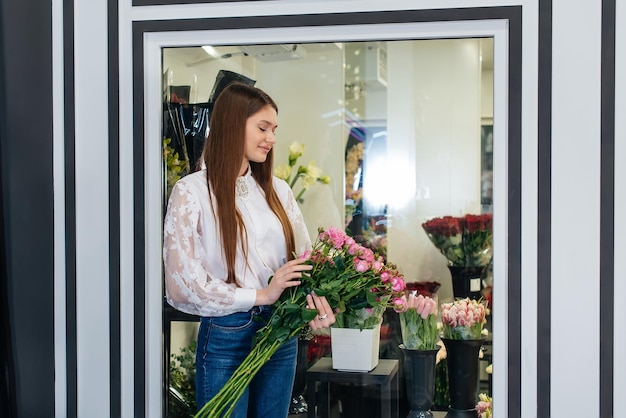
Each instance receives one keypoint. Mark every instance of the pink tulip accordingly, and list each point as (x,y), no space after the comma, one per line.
(420,304)
(428,308)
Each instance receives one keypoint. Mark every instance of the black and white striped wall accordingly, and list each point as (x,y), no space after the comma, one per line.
(81,300)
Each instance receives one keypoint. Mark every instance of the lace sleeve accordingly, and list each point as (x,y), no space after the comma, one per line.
(189,286)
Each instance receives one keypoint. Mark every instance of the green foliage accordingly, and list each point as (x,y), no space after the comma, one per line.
(418,333)
(442,390)
(175,167)
(182,391)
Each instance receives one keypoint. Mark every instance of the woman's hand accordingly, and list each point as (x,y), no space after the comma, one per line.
(325,317)
(285,277)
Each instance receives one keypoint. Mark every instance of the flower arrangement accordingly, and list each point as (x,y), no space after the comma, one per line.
(309,174)
(463,319)
(175,166)
(418,321)
(357,284)
(465,241)
(484,407)
(353,279)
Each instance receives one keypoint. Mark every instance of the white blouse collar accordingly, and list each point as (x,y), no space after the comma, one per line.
(242,185)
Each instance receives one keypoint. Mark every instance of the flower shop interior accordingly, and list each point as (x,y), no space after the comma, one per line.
(389,135)
(397,109)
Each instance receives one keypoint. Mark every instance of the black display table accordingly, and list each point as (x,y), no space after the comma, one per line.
(385,375)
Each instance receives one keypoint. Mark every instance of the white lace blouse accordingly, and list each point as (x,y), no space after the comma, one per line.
(195,270)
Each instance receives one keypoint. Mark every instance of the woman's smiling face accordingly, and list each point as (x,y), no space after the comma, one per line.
(260,136)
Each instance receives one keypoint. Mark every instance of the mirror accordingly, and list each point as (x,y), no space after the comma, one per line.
(402,128)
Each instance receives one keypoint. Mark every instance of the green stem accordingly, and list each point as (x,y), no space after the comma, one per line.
(295,178)
(236,385)
(299,197)
(223,403)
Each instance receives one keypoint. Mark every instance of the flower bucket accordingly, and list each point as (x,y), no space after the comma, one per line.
(354,350)
(462,356)
(419,372)
(467,281)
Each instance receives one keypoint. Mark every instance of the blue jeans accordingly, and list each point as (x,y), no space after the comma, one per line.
(223,343)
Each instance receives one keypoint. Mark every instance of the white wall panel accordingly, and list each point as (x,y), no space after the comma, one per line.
(575,206)
(285,7)
(126,213)
(92,214)
(529,209)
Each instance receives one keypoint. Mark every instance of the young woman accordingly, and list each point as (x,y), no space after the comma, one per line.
(228,228)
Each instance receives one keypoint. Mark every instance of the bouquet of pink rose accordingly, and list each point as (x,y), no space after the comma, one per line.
(353,279)
(463,319)
(418,321)
(465,241)
(358,285)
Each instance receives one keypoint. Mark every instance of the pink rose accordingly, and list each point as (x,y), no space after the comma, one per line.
(361,266)
(400,304)
(397,284)
(368,255)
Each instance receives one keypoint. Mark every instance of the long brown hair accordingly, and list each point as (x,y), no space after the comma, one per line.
(223,154)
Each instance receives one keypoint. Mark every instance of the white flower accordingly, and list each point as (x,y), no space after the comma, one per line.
(308,181)
(308,175)
(283,171)
(313,171)
(295,150)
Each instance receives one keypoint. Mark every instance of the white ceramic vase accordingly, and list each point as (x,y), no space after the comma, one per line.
(355,350)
